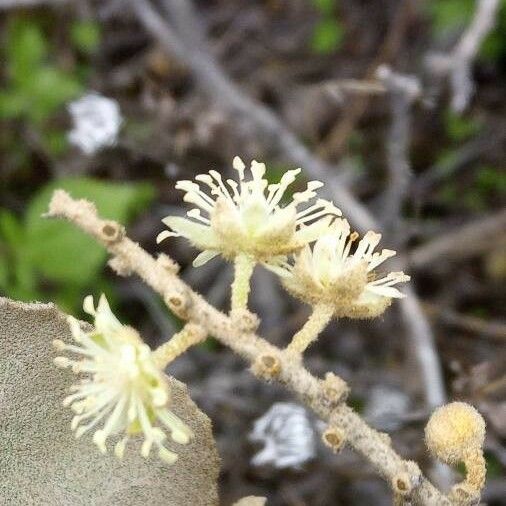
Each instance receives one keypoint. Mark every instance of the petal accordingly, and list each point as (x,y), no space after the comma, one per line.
(385,291)
(164,235)
(199,235)
(312,232)
(204,257)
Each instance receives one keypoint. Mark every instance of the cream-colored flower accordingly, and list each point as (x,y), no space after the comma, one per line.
(247,217)
(122,386)
(331,275)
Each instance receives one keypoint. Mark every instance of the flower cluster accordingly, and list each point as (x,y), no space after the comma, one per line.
(246,222)
(248,217)
(123,385)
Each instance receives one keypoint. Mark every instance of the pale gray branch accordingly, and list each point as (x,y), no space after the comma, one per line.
(458,63)
(467,241)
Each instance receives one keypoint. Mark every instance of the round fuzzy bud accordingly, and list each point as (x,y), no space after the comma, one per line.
(453,431)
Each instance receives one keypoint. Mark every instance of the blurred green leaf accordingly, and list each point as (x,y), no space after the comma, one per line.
(11,230)
(12,104)
(449,15)
(17,277)
(493,48)
(36,88)
(62,253)
(85,35)
(327,36)
(490,179)
(459,127)
(51,89)
(326,7)
(26,49)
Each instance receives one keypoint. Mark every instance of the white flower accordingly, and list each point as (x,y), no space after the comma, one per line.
(122,386)
(288,437)
(96,123)
(247,217)
(331,274)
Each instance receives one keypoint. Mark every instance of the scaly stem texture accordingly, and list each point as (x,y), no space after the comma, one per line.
(160,275)
(243,269)
(320,317)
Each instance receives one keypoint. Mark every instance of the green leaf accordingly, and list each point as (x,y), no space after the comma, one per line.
(327,36)
(13,103)
(26,49)
(11,231)
(51,90)
(460,128)
(326,7)
(493,48)
(449,15)
(63,253)
(490,180)
(85,35)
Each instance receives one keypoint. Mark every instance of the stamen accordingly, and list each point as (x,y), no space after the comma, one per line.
(233,184)
(119,448)
(379,258)
(222,187)
(239,166)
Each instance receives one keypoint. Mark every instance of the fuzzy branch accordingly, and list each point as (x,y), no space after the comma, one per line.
(325,397)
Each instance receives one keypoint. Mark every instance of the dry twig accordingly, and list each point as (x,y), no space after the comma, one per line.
(457,64)
(467,241)
(403,90)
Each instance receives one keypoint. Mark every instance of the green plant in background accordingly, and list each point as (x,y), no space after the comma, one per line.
(37,256)
(488,182)
(36,88)
(460,128)
(328,33)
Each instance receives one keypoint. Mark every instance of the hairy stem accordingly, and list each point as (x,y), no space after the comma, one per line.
(189,336)
(476,469)
(319,319)
(243,269)
(160,274)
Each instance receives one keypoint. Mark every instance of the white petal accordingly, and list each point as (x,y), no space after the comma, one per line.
(204,257)
(164,235)
(385,291)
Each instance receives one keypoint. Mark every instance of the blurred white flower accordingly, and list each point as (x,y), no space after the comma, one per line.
(287,434)
(96,122)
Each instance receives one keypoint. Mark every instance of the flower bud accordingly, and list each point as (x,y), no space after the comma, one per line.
(453,430)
